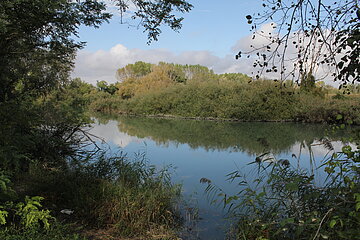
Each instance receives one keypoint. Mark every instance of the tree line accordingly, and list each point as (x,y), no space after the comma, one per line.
(197,92)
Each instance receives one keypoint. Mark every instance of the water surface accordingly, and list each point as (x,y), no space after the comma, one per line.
(208,149)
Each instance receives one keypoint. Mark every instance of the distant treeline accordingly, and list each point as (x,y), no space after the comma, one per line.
(197,92)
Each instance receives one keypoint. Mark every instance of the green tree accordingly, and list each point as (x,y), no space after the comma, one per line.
(37,46)
(105,87)
(136,70)
(198,73)
(37,49)
(307,83)
(237,77)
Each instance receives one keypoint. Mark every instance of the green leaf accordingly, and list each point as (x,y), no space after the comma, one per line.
(332,223)
(357,197)
(230,199)
(260,195)
(350,122)
(339,117)
(3,215)
(357,206)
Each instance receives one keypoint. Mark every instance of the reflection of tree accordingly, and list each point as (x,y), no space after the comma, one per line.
(250,137)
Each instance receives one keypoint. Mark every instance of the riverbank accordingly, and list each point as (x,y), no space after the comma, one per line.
(293,107)
(196,92)
(99,196)
(48,159)
(53,174)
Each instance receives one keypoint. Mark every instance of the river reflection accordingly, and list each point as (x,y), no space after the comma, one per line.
(210,149)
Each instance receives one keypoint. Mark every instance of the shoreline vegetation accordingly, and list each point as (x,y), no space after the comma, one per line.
(55,181)
(166,116)
(348,108)
(46,165)
(196,92)
(50,164)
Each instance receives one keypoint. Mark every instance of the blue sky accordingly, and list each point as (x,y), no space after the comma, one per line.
(213,26)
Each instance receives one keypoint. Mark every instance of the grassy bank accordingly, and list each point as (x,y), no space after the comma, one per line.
(255,101)
(123,197)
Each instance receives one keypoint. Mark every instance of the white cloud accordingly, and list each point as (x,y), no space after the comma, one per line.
(110,134)
(260,40)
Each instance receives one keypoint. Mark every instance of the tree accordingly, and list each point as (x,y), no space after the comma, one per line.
(103,86)
(37,49)
(308,35)
(37,45)
(235,77)
(135,70)
(36,42)
(307,83)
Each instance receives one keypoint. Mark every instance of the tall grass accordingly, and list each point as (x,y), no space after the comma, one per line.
(285,202)
(127,197)
(56,232)
(45,153)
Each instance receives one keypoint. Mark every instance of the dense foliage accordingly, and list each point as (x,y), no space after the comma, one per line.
(37,45)
(121,195)
(195,91)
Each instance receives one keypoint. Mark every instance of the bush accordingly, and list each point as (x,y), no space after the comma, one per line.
(27,219)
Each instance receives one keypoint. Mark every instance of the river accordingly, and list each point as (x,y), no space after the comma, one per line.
(196,149)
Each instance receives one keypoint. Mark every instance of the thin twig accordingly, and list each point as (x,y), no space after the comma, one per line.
(321,222)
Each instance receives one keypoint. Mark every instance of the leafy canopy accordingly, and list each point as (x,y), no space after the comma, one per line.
(38,37)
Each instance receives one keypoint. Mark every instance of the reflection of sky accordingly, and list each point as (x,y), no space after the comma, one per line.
(110,133)
(193,164)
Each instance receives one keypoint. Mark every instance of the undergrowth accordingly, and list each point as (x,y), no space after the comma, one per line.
(128,197)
